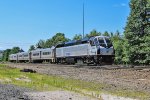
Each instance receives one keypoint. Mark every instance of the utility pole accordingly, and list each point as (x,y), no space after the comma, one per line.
(83,19)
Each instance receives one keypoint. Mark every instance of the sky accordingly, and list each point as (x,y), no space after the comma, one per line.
(24,22)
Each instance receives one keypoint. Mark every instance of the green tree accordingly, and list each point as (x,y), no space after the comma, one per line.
(32,47)
(40,44)
(77,37)
(106,33)
(111,34)
(15,50)
(137,34)
(48,43)
(21,50)
(116,36)
(93,33)
(6,54)
(58,38)
(1,55)
(118,43)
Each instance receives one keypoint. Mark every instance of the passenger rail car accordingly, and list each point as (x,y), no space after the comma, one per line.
(23,57)
(13,58)
(94,50)
(40,55)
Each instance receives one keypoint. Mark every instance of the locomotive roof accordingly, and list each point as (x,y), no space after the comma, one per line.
(73,42)
(85,39)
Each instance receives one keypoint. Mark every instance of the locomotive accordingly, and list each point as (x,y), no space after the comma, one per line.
(93,50)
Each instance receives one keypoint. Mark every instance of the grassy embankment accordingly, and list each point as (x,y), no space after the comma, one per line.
(48,83)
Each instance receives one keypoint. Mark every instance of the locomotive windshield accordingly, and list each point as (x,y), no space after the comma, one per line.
(105,42)
(108,41)
(101,42)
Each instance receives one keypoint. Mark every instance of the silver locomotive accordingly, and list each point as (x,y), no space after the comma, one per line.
(89,50)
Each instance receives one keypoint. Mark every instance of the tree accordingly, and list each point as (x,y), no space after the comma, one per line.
(48,43)
(111,34)
(116,36)
(1,55)
(106,33)
(15,50)
(137,34)
(40,44)
(93,33)
(32,47)
(58,38)
(6,54)
(77,37)
(118,43)
(21,50)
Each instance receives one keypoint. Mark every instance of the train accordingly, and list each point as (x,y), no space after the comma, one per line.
(93,50)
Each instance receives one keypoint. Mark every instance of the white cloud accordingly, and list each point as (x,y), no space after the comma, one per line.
(120,5)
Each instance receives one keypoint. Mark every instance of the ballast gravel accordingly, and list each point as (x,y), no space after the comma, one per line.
(11,92)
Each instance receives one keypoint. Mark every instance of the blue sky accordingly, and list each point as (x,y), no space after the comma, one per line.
(24,22)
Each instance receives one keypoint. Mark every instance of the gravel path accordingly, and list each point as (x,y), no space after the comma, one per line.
(57,95)
(11,92)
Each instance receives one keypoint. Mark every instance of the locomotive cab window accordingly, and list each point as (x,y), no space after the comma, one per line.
(92,43)
(96,42)
(101,42)
(108,41)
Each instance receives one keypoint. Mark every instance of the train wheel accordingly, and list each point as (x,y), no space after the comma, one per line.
(80,62)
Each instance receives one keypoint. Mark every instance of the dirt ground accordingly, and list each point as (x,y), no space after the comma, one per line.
(132,79)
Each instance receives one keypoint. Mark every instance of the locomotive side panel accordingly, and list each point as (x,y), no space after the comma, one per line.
(106,51)
(76,50)
(59,52)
